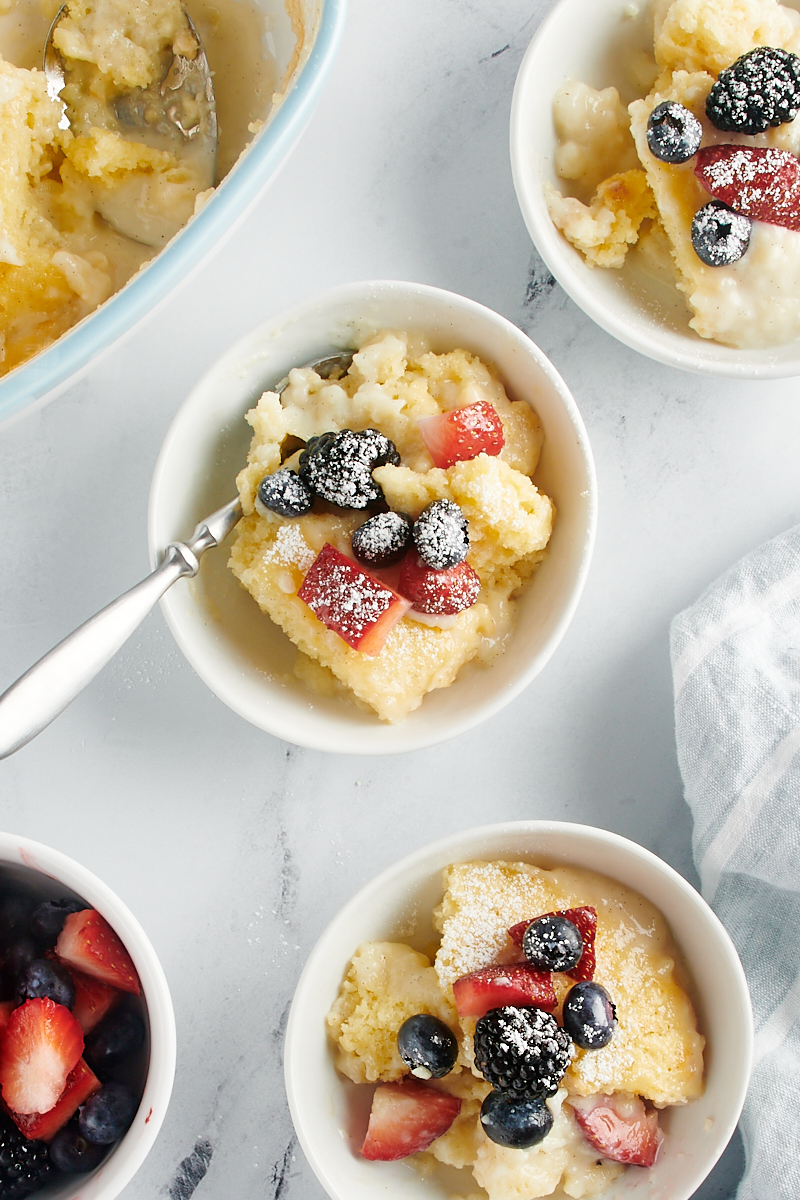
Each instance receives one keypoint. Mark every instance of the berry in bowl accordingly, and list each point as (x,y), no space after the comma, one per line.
(407,521)
(87,1033)
(515,1010)
(655,163)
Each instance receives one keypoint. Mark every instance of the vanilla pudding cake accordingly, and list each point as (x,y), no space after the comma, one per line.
(84,206)
(597,1082)
(627,198)
(390,519)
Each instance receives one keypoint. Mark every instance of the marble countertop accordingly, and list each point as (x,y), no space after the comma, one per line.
(235,849)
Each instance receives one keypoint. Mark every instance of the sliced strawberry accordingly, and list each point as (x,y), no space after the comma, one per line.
(81,1084)
(585,919)
(6,1009)
(350,601)
(495,987)
(758,181)
(42,1044)
(93,999)
(441,593)
(406,1117)
(620,1127)
(463,433)
(88,943)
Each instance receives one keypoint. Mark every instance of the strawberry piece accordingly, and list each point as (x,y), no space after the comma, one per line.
(93,999)
(620,1127)
(585,919)
(495,987)
(81,1084)
(758,181)
(463,433)
(42,1044)
(405,1118)
(88,943)
(350,601)
(441,593)
(6,1009)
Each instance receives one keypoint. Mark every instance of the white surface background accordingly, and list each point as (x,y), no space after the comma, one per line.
(232,848)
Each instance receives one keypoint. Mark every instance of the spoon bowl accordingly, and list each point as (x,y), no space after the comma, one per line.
(175,114)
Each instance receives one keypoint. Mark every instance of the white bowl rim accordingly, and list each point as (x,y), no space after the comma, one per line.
(389,739)
(40,379)
(445,850)
(120,1167)
(689,352)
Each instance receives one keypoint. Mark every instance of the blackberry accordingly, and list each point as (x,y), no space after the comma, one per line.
(285,493)
(589,1016)
(427,1046)
(521,1051)
(552,943)
(338,466)
(25,1166)
(383,539)
(673,133)
(760,89)
(519,1124)
(720,236)
(441,535)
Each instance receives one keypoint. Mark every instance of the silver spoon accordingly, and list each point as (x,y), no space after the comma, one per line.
(176,113)
(45,690)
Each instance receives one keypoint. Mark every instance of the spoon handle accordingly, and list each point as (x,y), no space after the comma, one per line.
(45,690)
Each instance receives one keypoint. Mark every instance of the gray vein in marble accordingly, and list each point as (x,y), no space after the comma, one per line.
(280,1171)
(191,1171)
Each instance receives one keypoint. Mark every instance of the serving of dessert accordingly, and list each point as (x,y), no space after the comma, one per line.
(698,181)
(540,1045)
(390,519)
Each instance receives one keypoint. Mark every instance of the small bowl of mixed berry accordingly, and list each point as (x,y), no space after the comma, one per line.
(519,1010)
(87,1032)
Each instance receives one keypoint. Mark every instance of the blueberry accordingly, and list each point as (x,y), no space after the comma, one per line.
(589,1016)
(48,919)
(117,1036)
(285,493)
(441,535)
(338,466)
(42,978)
(720,236)
(383,539)
(70,1151)
(16,959)
(673,133)
(108,1114)
(552,943)
(516,1123)
(15,915)
(427,1046)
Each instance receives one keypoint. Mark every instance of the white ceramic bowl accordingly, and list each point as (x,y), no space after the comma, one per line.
(52,875)
(324,1105)
(588,40)
(40,379)
(239,653)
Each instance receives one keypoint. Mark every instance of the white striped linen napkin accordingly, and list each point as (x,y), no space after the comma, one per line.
(736,673)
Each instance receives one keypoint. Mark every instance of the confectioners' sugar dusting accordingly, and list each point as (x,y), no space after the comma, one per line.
(290,548)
